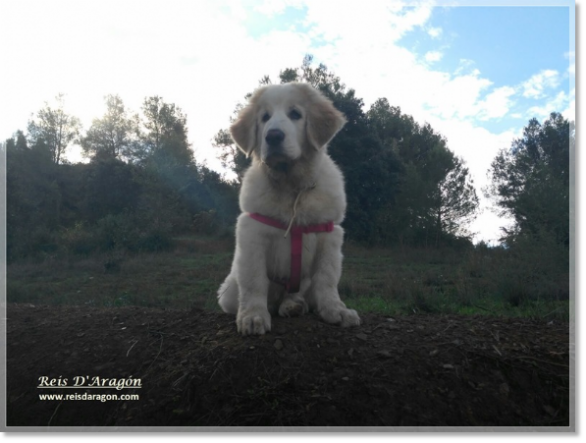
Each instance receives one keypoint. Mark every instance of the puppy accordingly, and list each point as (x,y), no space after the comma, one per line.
(288,256)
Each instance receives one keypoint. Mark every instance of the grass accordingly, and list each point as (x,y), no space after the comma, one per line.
(177,279)
(386,281)
(485,282)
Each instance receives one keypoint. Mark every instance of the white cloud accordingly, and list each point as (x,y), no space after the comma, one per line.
(488,226)
(560,103)
(270,8)
(382,22)
(571,56)
(497,103)
(477,145)
(570,112)
(434,32)
(433,56)
(535,87)
(572,68)
(456,97)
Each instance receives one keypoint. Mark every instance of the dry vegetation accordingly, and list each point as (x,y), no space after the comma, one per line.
(386,281)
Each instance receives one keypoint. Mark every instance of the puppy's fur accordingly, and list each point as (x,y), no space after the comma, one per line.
(285,128)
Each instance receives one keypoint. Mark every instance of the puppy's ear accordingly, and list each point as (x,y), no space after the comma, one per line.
(323,120)
(243,130)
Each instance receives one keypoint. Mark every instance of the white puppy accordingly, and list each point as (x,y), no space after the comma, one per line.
(288,255)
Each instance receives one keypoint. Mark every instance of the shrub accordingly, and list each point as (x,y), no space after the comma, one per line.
(155,240)
(535,268)
(116,232)
(77,240)
(205,222)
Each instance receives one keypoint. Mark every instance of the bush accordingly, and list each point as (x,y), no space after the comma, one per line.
(117,232)
(205,222)
(535,268)
(155,240)
(78,240)
(38,243)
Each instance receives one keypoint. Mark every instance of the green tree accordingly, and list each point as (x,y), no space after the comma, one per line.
(435,199)
(530,181)
(110,136)
(54,129)
(110,188)
(455,203)
(229,154)
(33,198)
(165,130)
(169,175)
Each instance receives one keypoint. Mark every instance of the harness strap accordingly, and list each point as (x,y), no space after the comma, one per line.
(293,283)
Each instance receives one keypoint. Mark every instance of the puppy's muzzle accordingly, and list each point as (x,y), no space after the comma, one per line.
(275,157)
(275,138)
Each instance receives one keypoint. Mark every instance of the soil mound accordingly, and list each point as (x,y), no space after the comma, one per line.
(195,370)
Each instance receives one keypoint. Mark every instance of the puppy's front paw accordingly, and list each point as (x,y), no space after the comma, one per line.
(256,321)
(293,308)
(340,315)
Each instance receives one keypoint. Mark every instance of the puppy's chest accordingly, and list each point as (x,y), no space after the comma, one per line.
(309,207)
(279,255)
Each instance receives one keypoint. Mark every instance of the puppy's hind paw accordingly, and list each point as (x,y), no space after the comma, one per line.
(293,308)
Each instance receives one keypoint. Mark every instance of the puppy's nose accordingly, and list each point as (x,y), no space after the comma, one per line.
(275,137)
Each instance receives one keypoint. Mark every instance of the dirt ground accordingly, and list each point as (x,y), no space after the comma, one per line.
(195,370)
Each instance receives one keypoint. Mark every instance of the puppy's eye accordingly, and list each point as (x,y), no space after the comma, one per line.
(266,117)
(294,114)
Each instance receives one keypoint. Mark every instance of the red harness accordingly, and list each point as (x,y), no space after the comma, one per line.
(292,284)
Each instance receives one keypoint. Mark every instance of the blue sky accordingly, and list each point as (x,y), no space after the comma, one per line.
(507,45)
(477,74)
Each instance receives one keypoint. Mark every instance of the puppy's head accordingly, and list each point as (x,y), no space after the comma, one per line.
(282,122)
